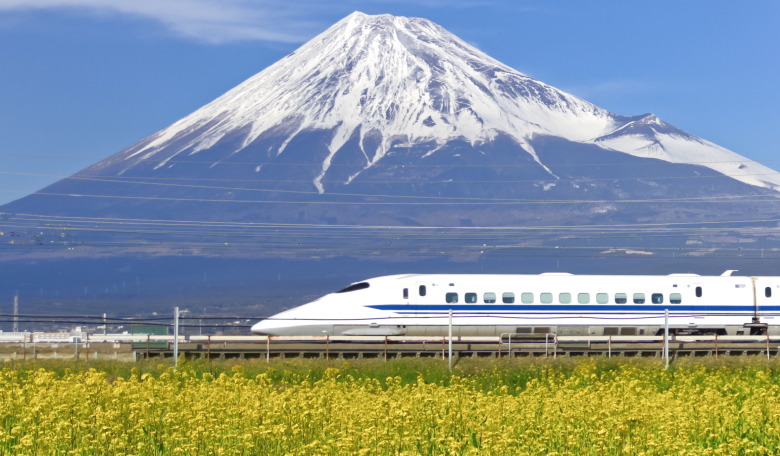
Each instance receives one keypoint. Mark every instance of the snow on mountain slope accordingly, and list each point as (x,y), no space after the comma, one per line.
(650,137)
(409,80)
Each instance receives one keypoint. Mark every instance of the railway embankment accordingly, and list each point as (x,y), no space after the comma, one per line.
(136,348)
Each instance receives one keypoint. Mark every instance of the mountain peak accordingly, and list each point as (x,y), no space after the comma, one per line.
(391,77)
(404,80)
(462,139)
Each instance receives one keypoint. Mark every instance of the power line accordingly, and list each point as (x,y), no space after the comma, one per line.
(608,248)
(495,248)
(270,225)
(432,251)
(243,238)
(455,233)
(378,196)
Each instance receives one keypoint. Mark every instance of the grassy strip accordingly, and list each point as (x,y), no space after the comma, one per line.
(485,374)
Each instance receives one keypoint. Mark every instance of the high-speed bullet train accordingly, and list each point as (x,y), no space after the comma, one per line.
(550,303)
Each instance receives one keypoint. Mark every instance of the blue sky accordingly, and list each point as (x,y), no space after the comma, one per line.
(87,78)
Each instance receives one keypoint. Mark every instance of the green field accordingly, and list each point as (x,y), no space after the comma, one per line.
(407,406)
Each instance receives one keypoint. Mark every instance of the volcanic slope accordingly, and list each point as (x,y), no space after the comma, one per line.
(384,120)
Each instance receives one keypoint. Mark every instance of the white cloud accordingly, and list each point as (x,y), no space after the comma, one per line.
(217,21)
(208,20)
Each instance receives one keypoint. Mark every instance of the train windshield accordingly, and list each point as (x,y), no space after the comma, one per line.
(354,287)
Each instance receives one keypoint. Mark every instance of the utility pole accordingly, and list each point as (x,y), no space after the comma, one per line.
(666,338)
(175,337)
(450,340)
(16,312)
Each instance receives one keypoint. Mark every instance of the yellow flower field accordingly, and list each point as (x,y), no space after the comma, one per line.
(632,409)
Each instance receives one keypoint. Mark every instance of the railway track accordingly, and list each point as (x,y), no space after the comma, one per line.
(136,347)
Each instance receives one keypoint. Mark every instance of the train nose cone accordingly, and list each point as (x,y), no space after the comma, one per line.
(262,328)
(272,327)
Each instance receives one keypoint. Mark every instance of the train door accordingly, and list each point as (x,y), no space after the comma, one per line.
(698,295)
(695,299)
(422,297)
(768,301)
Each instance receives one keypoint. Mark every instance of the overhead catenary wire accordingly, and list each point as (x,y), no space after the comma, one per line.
(373,244)
(378,240)
(440,200)
(71,226)
(440,235)
(417,249)
(308,239)
(437,253)
(461,199)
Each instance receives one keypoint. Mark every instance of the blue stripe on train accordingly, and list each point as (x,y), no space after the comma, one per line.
(580,314)
(582,308)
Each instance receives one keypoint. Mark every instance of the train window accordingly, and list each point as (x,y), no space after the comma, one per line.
(639,298)
(630,331)
(621,298)
(657,298)
(583,298)
(611,331)
(602,298)
(508,298)
(354,287)
(489,298)
(564,298)
(698,292)
(452,298)
(406,293)
(675,298)
(527,298)
(471,298)
(541,330)
(546,298)
(768,292)
(422,290)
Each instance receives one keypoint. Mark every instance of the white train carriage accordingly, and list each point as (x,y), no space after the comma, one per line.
(554,303)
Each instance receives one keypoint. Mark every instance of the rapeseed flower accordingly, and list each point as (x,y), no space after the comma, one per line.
(632,410)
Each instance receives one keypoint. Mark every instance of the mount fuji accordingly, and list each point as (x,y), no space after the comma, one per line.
(384,120)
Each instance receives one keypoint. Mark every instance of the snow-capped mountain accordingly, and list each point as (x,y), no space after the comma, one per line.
(399,79)
(396,111)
